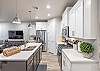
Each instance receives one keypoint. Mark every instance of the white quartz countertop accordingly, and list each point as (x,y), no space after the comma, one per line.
(60,42)
(23,55)
(75,56)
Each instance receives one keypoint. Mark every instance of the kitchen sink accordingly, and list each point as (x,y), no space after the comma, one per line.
(30,48)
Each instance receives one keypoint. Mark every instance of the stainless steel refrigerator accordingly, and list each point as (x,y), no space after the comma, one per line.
(41,36)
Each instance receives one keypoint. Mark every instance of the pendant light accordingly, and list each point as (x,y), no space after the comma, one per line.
(30,24)
(16,19)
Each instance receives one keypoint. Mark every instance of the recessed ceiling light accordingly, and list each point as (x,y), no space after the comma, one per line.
(36,17)
(89,2)
(48,14)
(48,7)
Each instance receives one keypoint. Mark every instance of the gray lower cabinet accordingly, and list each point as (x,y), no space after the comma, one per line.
(17,65)
(30,65)
(13,66)
(37,56)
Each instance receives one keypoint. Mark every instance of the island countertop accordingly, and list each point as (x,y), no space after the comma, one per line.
(23,55)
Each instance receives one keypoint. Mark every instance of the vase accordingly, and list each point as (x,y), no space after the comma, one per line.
(87,55)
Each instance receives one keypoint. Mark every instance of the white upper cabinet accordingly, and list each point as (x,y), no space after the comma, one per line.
(90,18)
(65,17)
(41,25)
(83,19)
(79,20)
(76,20)
(72,23)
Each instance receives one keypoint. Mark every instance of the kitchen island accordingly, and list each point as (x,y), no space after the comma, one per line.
(26,60)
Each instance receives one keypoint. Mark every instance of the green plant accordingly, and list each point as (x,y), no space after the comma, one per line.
(86,47)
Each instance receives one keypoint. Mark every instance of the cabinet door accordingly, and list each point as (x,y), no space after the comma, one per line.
(40,53)
(38,56)
(65,20)
(62,22)
(35,60)
(90,19)
(76,20)
(30,66)
(72,23)
(79,19)
(65,63)
(30,63)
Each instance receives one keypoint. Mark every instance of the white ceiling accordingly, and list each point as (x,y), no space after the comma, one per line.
(8,9)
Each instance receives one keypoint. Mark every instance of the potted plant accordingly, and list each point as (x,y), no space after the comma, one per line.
(86,49)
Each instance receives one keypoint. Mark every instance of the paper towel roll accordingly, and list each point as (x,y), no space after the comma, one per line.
(79,50)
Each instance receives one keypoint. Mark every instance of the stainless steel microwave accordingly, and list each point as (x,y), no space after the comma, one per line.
(65,31)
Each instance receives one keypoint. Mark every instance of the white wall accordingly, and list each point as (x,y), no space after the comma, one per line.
(53,31)
(5,27)
(98,28)
(41,25)
(98,7)
(58,26)
(27,31)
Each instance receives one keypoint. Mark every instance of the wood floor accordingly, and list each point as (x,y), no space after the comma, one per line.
(49,63)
